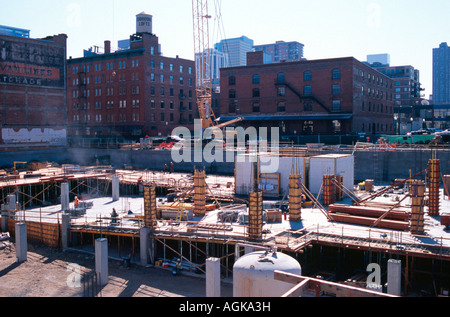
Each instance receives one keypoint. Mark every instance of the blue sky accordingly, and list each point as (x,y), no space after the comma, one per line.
(406,29)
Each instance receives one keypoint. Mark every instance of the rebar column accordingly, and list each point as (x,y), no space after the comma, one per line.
(329,190)
(295,198)
(255,216)
(199,193)
(150,209)
(339,191)
(433,187)
(417,194)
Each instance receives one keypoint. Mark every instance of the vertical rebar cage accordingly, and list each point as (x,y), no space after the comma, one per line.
(417,194)
(199,193)
(255,215)
(329,190)
(433,187)
(150,210)
(295,198)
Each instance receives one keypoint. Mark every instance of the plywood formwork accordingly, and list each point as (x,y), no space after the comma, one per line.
(49,234)
(433,187)
(329,190)
(199,193)
(255,216)
(150,209)
(417,194)
(295,197)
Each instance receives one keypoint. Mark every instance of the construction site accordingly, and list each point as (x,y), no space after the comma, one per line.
(311,210)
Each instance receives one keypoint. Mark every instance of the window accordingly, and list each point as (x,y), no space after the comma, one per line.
(163,117)
(307,90)
(232,94)
(152,64)
(181,81)
(232,81)
(281,106)
(336,105)
(336,73)
(336,89)
(307,76)
(281,91)
(256,107)
(308,106)
(256,79)
(232,108)
(256,93)
(181,68)
(163,105)
(161,65)
(280,78)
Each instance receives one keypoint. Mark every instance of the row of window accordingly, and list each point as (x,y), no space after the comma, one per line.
(110,117)
(307,76)
(281,106)
(281,91)
(123,65)
(135,103)
(376,127)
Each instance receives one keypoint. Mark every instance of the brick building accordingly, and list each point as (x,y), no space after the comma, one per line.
(33,111)
(329,96)
(131,93)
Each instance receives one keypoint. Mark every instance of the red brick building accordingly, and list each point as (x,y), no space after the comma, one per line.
(329,96)
(33,111)
(131,93)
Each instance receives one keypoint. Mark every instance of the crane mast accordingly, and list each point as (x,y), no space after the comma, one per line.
(203,67)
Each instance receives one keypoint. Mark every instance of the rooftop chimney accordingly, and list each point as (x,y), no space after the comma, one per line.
(107,47)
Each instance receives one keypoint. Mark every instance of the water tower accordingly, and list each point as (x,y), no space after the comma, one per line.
(144,23)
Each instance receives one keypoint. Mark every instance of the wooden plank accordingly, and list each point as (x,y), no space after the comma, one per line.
(298,290)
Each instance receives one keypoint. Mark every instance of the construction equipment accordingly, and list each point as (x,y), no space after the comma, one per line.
(203,66)
(15,170)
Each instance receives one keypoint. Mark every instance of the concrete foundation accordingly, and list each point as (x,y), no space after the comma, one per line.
(213,277)
(11,203)
(21,242)
(394,277)
(101,261)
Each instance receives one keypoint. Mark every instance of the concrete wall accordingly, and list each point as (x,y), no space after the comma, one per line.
(385,166)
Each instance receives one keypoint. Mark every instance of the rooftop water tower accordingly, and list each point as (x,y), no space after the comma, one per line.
(144,23)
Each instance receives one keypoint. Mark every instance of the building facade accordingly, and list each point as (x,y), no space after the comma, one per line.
(330,96)
(441,74)
(131,93)
(281,51)
(33,108)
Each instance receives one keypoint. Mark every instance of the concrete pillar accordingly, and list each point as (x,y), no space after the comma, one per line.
(11,205)
(65,230)
(394,277)
(144,245)
(101,261)
(213,277)
(115,188)
(65,202)
(21,242)
(4,227)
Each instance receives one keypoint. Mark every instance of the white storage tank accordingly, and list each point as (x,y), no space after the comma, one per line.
(253,274)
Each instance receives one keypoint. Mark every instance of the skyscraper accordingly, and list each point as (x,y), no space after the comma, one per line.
(441,74)
(236,49)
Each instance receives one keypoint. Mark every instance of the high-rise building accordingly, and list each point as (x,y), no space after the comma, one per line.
(281,51)
(217,60)
(33,108)
(130,93)
(441,74)
(237,49)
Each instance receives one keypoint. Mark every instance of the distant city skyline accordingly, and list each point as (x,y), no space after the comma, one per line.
(408,30)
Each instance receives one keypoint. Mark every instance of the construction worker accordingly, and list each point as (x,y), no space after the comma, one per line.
(166,169)
(77,202)
(171,167)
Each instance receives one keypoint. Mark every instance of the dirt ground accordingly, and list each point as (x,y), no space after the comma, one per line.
(52,273)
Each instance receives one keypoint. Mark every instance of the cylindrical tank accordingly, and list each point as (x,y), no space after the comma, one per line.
(253,274)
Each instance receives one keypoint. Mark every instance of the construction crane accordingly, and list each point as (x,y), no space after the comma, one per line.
(203,66)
